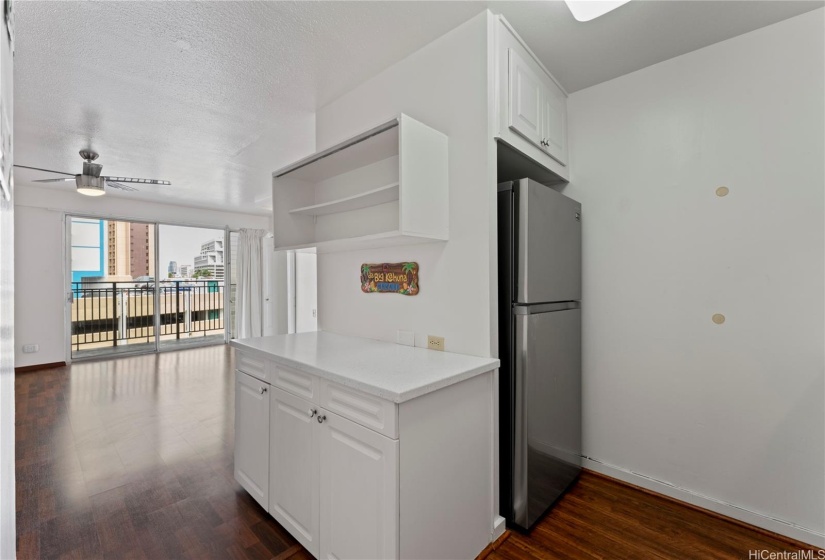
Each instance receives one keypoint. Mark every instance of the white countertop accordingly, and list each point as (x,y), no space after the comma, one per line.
(390,371)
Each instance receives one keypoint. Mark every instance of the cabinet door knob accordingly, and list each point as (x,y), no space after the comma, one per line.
(263,390)
(312,412)
(321,419)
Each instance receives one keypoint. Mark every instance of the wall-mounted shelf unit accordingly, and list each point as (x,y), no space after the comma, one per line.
(386,186)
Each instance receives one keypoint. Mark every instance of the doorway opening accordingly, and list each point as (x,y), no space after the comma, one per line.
(303,290)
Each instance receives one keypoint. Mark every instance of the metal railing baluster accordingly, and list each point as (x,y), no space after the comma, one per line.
(115,313)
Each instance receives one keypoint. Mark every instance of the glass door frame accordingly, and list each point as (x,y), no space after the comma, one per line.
(67,281)
(228,305)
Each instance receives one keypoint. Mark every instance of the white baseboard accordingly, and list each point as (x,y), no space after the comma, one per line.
(499,526)
(683,495)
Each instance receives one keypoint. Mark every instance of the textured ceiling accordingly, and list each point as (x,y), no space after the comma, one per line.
(213,96)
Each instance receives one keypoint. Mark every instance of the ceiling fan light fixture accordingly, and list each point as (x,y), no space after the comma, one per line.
(90,186)
(586,10)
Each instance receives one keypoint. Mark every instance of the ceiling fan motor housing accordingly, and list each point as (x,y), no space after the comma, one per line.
(92,169)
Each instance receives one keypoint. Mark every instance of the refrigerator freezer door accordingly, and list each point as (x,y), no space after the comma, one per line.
(547,434)
(548,244)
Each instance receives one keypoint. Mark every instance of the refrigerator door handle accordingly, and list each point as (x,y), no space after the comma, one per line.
(535,308)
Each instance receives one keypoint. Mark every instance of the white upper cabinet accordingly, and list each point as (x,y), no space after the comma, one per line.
(386,186)
(532,107)
(526,100)
(554,122)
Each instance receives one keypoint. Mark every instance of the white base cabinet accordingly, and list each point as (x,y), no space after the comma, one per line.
(252,436)
(359,491)
(331,477)
(354,476)
(294,467)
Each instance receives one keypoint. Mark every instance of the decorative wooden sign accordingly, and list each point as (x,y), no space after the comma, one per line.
(392,278)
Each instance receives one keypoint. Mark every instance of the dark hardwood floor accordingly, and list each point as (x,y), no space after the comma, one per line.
(132,458)
(603,518)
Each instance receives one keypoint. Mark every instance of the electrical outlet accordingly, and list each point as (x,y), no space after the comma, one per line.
(31,348)
(435,342)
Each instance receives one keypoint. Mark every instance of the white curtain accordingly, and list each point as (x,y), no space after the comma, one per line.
(249,316)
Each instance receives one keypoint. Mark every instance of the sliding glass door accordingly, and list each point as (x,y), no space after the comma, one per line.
(191,293)
(112,287)
(138,287)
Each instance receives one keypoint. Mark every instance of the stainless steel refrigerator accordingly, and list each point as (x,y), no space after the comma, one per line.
(539,254)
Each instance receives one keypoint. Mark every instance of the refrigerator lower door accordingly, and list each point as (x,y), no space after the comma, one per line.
(547,430)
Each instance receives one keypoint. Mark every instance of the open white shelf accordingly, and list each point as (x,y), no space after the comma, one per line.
(381,195)
(383,239)
(386,186)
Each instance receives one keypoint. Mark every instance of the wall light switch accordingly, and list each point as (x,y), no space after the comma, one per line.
(407,338)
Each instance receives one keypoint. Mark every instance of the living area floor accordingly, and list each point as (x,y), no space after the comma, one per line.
(132,458)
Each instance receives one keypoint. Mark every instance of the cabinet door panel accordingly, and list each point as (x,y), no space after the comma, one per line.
(525,99)
(252,436)
(293,498)
(554,121)
(359,491)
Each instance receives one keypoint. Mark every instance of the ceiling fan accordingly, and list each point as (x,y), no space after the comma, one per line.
(91,182)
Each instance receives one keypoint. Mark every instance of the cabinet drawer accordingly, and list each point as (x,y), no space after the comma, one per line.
(368,411)
(296,382)
(256,367)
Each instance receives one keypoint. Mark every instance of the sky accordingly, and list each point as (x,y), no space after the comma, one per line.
(181,244)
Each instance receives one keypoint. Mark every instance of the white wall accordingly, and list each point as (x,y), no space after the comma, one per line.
(7,492)
(39,244)
(732,413)
(445,86)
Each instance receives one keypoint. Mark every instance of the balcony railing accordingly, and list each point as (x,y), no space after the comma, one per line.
(110,314)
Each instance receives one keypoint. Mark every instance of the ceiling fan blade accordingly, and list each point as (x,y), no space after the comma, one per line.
(53,180)
(44,170)
(141,181)
(121,186)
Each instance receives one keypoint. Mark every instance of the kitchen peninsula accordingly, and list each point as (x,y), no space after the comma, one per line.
(368,449)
